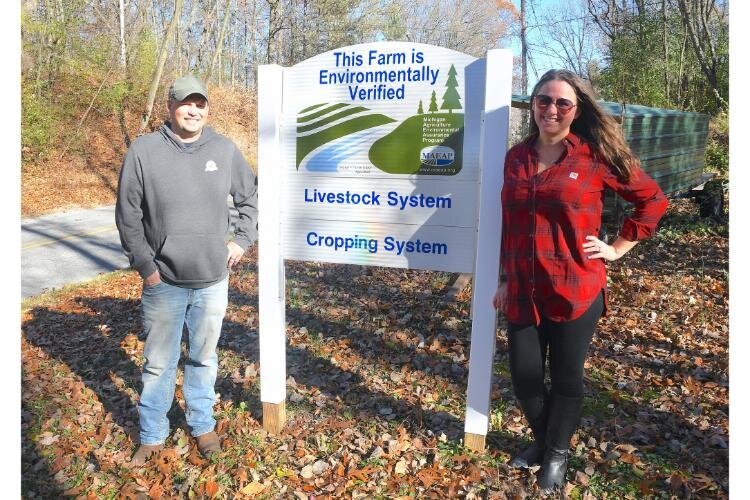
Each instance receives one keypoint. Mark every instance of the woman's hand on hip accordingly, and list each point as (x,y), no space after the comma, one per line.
(600,250)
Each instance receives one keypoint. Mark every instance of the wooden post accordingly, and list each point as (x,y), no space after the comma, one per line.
(474,442)
(274,417)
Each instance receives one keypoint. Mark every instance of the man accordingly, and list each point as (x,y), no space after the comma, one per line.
(173,220)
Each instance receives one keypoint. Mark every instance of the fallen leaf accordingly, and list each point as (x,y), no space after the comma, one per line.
(211,489)
(253,488)
(156,490)
(582,478)
(400,467)
(427,476)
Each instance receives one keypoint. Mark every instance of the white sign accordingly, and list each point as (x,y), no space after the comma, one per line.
(394,245)
(386,154)
(425,202)
(383,133)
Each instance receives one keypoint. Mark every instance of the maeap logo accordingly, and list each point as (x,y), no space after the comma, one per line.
(211,166)
(437,156)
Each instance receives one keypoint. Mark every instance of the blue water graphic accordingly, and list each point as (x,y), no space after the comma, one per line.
(327,159)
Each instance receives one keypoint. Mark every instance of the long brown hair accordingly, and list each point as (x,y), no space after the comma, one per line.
(593,125)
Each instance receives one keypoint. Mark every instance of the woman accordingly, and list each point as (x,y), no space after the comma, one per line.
(553,277)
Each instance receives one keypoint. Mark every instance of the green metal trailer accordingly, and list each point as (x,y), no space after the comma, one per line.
(670,144)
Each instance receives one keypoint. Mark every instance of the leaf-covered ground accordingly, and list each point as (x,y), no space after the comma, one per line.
(377,367)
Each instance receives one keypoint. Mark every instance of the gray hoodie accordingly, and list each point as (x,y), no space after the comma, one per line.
(172,211)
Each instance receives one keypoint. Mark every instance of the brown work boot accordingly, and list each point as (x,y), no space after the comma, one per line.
(144,453)
(208,443)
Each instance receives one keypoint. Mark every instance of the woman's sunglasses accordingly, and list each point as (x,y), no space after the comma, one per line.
(563,105)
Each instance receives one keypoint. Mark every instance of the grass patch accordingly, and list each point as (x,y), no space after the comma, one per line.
(53,297)
(620,482)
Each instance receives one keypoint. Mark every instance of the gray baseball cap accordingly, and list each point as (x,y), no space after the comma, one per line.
(186,85)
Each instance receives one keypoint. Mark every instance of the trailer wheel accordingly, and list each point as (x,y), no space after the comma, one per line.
(711,199)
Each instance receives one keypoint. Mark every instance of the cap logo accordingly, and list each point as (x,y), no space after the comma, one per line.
(574,175)
(211,166)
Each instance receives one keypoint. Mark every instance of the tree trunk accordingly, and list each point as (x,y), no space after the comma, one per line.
(707,62)
(208,31)
(253,64)
(680,92)
(220,41)
(189,43)
(123,60)
(159,67)
(275,44)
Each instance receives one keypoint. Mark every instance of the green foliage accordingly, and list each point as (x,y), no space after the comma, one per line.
(717,157)
(447,449)
(635,63)
(141,64)
(717,147)
(636,69)
(699,226)
(37,124)
(69,64)
(626,486)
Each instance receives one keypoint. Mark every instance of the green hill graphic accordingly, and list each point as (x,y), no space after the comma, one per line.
(399,151)
(314,122)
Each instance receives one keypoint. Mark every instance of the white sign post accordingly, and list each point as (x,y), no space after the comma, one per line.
(370,155)
(271,295)
(497,95)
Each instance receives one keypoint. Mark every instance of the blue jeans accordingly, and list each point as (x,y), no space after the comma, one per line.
(165,309)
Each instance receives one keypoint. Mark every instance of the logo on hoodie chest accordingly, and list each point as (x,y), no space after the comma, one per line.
(211,166)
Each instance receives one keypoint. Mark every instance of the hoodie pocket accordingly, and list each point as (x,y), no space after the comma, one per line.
(194,257)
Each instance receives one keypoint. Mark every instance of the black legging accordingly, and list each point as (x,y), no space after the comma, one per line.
(568,343)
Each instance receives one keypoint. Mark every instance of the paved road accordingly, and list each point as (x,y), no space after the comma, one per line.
(69,247)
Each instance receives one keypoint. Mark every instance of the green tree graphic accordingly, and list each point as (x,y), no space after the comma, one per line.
(451,99)
(420,111)
(433,103)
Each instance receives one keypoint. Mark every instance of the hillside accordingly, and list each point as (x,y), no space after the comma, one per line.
(83,172)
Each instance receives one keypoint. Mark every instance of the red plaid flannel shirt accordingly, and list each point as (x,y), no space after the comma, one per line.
(546,219)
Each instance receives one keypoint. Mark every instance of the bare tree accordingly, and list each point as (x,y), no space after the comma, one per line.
(159,67)
(220,40)
(470,26)
(123,60)
(274,43)
(698,17)
(568,37)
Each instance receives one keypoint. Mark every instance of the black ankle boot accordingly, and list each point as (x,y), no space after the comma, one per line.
(529,457)
(535,411)
(552,473)
(564,415)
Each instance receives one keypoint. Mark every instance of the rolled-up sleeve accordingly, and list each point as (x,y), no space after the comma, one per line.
(648,199)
